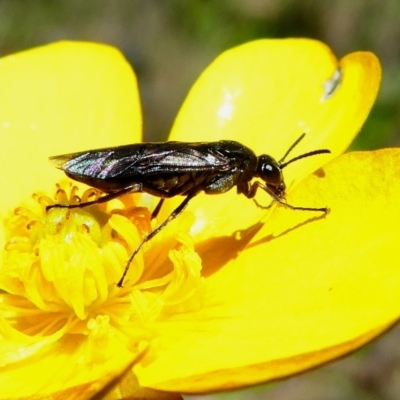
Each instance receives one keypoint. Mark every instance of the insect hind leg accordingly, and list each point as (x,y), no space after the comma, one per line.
(178,210)
(103,199)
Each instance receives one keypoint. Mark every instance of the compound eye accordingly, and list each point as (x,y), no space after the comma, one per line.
(270,172)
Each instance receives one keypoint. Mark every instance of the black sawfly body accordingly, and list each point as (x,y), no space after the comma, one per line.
(178,168)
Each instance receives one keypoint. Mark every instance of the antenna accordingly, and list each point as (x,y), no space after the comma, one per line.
(309,154)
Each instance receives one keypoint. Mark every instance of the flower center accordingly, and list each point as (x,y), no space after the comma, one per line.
(60,267)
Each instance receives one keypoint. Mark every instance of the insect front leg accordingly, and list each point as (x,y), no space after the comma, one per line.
(110,196)
(178,210)
(251,191)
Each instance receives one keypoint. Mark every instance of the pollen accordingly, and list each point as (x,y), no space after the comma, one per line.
(60,267)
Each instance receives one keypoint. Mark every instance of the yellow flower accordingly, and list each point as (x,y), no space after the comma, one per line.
(228,294)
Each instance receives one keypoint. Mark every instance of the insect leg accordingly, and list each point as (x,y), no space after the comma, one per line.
(164,194)
(252,190)
(153,233)
(157,209)
(103,199)
(263,207)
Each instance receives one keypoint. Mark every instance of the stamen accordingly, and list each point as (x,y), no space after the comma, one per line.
(60,269)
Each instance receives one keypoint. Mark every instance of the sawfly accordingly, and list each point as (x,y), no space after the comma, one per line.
(172,168)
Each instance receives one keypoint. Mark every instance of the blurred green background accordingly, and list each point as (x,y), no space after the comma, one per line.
(169,42)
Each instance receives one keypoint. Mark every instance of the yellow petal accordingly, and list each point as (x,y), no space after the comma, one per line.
(265,94)
(68,364)
(57,99)
(306,289)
